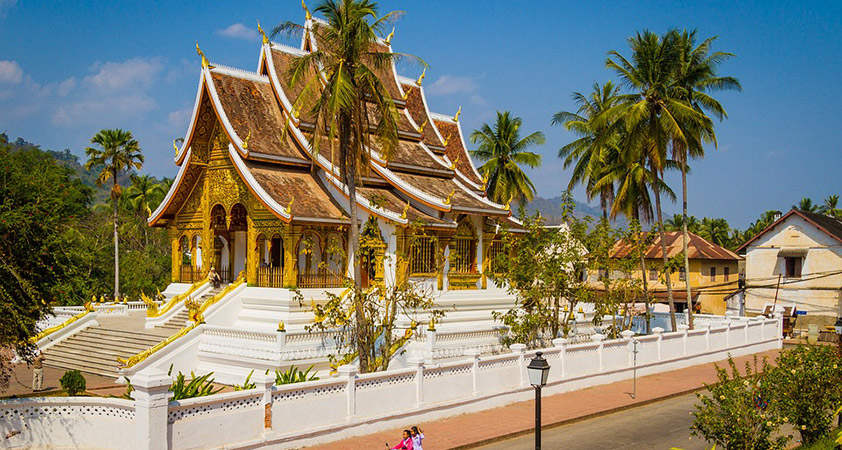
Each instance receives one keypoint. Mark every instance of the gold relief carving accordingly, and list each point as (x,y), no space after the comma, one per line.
(226,188)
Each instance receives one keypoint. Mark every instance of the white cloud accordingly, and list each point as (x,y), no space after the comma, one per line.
(179,118)
(133,74)
(449,84)
(66,86)
(6,5)
(10,71)
(239,31)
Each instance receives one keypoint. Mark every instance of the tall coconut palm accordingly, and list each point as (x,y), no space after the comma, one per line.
(141,195)
(695,78)
(716,231)
(503,152)
(677,222)
(653,117)
(347,103)
(806,204)
(589,154)
(117,152)
(831,206)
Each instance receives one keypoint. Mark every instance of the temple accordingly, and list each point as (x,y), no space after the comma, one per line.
(252,195)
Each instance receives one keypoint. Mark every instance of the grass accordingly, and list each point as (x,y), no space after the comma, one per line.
(826,443)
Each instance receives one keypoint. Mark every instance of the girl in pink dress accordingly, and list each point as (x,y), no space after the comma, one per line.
(405,443)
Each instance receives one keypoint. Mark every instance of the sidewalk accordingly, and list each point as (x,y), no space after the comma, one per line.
(21,383)
(471,430)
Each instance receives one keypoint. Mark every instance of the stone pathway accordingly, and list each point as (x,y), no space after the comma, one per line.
(475,429)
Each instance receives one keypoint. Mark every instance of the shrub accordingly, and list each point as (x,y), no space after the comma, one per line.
(735,415)
(807,389)
(246,384)
(73,382)
(293,375)
(197,386)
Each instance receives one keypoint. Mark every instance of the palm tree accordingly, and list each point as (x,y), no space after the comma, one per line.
(140,196)
(806,204)
(504,152)
(118,152)
(830,207)
(653,117)
(590,151)
(348,104)
(716,231)
(695,78)
(677,222)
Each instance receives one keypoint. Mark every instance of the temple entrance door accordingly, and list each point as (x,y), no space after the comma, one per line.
(239,262)
(237,230)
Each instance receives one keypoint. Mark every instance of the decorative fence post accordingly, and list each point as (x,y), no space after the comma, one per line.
(658,331)
(728,333)
(473,354)
(600,339)
(562,356)
(265,382)
(151,394)
(431,345)
(779,328)
(518,349)
(349,372)
(418,364)
(706,326)
(683,330)
(627,335)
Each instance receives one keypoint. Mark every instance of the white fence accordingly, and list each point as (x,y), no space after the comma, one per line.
(307,413)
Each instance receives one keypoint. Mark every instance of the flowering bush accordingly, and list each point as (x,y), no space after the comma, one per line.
(807,384)
(736,414)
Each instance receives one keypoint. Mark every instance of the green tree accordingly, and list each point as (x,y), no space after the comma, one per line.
(654,117)
(591,154)
(348,104)
(677,221)
(715,230)
(118,152)
(42,201)
(806,204)
(831,206)
(503,152)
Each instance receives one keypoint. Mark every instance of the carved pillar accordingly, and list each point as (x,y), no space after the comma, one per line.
(487,238)
(441,261)
(251,252)
(176,254)
(402,255)
(291,235)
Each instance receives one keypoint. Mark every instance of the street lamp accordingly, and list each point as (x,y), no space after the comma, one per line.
(538,370)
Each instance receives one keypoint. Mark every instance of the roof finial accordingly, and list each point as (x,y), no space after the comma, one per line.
(262,34)
(449,197)
(508,206)
(406,93)
(205,63)
(306,11)
(459,111)
(246,141)
(288,209)
(453,164)
(446,139)
(423,125)
(405,209)
(175,147)
(421,78)
(390,36)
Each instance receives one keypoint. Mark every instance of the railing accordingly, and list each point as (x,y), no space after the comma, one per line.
(175,300)
(131,361)
(209,302)
(323,278)
(190,274)
(269,276)
(64,324)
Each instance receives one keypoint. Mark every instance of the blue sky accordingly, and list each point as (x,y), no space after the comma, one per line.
(71,68)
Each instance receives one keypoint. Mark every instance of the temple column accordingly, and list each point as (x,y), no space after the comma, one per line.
(176,255)
(251,251)
(208,250)
(402,255)
(441,260)
(487,238)
(291,236)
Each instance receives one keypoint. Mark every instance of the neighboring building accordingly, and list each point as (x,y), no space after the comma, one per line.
(252,195)
(714,271)
(796,261)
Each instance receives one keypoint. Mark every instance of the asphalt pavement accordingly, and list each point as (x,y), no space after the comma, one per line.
(657,426)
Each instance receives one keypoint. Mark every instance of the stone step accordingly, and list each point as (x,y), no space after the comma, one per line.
(108,333)
(108,341)
(82,346)
(111,373)
(70,361)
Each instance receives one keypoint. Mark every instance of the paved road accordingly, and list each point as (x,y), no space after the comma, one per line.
(659,426)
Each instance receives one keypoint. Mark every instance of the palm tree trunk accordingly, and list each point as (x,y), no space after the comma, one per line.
(350,165)
(667,275)
(116,243)
(686,241)
(641,252)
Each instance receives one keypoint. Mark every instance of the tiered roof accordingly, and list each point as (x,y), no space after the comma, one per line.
(427,175)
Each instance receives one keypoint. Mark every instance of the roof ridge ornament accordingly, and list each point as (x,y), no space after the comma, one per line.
(423,125)
(205,63)
(288,209)
(406,93)
(175,146)
(421,78)
(449,197)
(508,206)
(447,139)
(405,209)
(388,39)
(458,112)
(246,141)
(453,164)
(306,11)
(262,34)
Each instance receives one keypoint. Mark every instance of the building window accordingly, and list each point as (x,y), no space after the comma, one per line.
(495,256)
(682,274)
(713,274)
(422,257)
(793,267)
(653,274)
(726,273)
(465,246)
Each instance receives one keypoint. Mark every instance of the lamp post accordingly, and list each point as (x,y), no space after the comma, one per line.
(538,370)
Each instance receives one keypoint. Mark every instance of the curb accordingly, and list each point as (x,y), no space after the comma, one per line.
(573,420)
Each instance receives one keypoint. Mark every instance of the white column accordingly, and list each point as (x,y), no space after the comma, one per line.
(658,331)
(562,356)
(627,335)
(431,345)
(473,355)
(706,327)
(266,383)
(600,339)
(418,364)
(683,330)
(151,394)
(518,350)
(728,334)
(349,372)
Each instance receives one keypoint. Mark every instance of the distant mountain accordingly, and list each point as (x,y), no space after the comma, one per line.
(550,209)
